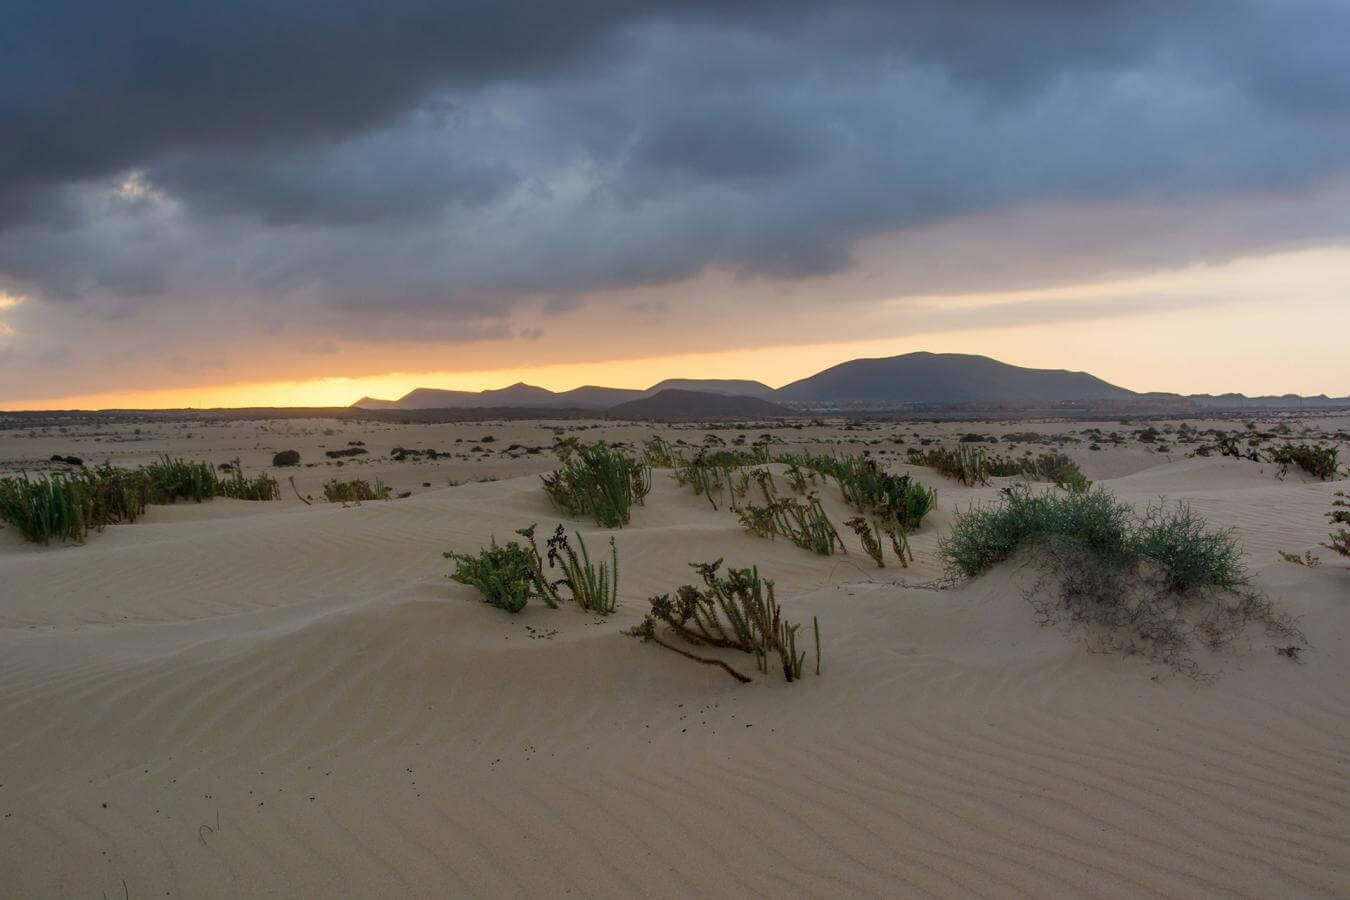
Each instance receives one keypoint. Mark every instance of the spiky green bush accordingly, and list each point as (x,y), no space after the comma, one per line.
(598,481)
(506,577)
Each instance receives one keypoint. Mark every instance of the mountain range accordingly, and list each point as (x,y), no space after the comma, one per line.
(913,379)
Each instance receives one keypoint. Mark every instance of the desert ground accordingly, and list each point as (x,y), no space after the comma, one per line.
(277,698)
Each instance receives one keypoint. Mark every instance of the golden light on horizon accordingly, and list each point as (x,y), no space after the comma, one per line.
(1198,329)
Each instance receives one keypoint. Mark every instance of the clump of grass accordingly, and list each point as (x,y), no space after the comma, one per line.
(1340,515)
(67,506)
(1156,584)
(354,491)
(177,479)
(51,506)
(968,465)
(737,611)
(598,481)
(594,587)
(1319,460)
(260,487)
(1307,559)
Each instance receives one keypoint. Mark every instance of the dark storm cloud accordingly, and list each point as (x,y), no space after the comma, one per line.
(415,157)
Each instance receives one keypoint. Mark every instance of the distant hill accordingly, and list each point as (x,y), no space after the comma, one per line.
(678,404)
(735,387)
(944,378)
(375,403)
(528,395)
(930,379)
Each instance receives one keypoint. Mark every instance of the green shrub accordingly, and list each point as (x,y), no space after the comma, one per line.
(598,481)
(506,577)
(985,535)
(1058,468)
(1156,584)
(1187,553)
(1320,461)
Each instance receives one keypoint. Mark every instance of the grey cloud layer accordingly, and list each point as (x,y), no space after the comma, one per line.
(368,158)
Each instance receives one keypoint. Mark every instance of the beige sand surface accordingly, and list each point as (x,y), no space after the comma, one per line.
(307,678)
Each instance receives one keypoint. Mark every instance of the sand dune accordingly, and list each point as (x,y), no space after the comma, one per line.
(358,725)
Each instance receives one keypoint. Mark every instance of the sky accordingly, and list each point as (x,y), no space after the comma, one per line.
(289,202)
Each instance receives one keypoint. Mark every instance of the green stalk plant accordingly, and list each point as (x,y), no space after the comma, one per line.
(1340,515)
(737,611)
(870,535)
(594,587)
(598,481)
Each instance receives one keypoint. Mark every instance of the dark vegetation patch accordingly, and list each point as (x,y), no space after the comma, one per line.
(286,458)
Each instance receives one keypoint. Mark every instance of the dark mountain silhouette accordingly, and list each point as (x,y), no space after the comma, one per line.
(955,378)
(935,379)
(678,404)
(527,395)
